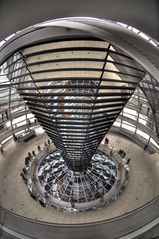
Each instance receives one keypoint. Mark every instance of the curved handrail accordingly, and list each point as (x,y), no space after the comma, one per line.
(109,228)
(103,221)
(151,149)
(7,133)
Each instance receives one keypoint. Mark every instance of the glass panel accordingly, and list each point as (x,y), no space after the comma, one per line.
(143,134)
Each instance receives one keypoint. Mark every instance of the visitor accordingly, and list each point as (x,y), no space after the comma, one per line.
(72,203)
(30,156)
(145,147)
(39,148)
(111,152)
(35,121)
(14,137)
(2,150)
(33,153)
(46,195)
(23,174)
(140,106)
(24,170)
(148,110)
(33,195)
(121,153)
(28,122)
(27,161)
(106,141)
(124,154)
(42,202)
(6,114)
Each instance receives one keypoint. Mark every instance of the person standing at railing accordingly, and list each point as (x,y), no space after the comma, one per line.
(2,150)
(6,112)
(27,161)
(33,153)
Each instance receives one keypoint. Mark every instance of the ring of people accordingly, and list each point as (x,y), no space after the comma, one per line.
(51,183)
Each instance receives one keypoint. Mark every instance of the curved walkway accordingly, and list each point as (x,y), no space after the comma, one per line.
(142,185)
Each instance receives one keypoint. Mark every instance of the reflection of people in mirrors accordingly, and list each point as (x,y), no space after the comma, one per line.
(140,106)
(28,122)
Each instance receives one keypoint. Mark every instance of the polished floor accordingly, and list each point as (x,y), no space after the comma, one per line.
(142,185)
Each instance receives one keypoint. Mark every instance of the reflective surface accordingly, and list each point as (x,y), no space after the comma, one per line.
(76,88)
(75,187)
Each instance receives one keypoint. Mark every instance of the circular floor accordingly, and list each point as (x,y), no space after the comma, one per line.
(142,185)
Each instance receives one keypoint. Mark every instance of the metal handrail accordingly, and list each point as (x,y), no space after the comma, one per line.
(111,228)
(153,201)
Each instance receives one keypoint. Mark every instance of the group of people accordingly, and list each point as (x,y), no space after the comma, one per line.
(123,155)
(40,199)
(24,174)
(28,160)
(120,152)
(46,146)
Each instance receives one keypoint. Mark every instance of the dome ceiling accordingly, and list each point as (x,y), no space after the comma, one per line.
(76,88)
